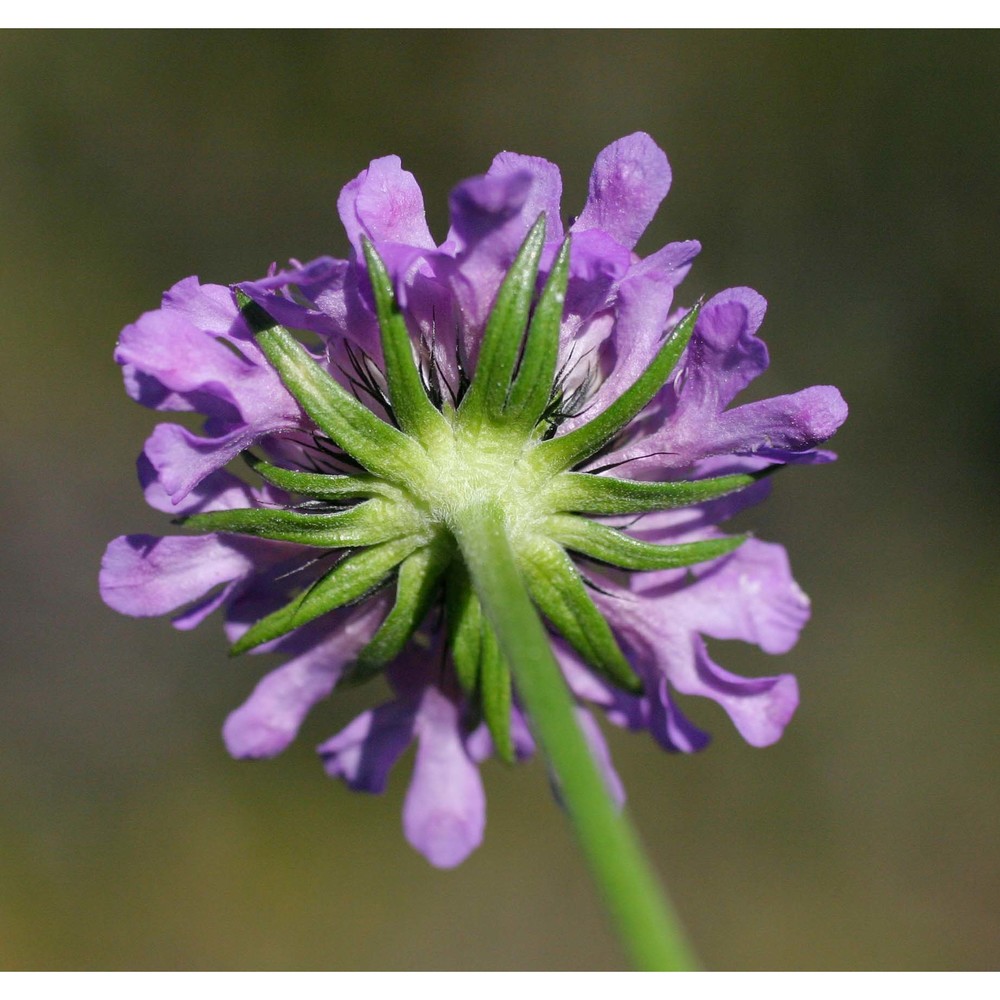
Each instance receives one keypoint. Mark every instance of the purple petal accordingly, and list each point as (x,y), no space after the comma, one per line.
(596,264)
(644,301)
(748,595)
(725,355)
(671,263)
(670,727)
(145,576)
(167,360)
(793,423)
(753,599)
(479,743)
(183,459)
(488,225)
(270,718)
(364,752)
(481,207)
(445,810)
(312,278)
(320,304)
(170,363)
(220,490)
(210,308)
(688,420)
(760,708)
(218,360)
(546,188)
(385,204)
(192,616)
(630,179)
(657,712)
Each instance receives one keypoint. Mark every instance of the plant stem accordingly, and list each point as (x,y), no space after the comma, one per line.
(645,921)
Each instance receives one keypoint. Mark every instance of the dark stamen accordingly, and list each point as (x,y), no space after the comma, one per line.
(310,562)
(624,461)
(365,379)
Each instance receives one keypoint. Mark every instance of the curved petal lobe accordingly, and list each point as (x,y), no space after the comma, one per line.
(445,810)
(630,179)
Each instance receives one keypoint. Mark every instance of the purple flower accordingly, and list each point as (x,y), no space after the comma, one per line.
(609,436)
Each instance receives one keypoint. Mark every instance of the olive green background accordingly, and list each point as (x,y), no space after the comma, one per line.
(850,177)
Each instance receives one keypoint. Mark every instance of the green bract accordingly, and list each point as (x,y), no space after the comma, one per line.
(397,520)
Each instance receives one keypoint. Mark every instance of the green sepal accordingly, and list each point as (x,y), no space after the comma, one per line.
(464,618)
(414,412)
(482,673)
(532,389)
(349,581)
(416,584)
(570,449)
(368,523)
(495,694)
(318,486)
(378,446)
(558,590)
(618,549)
(501,343)
(585,493)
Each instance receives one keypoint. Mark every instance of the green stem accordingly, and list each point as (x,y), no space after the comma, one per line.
(640,912)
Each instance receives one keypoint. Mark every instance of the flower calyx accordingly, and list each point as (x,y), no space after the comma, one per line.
(393,520)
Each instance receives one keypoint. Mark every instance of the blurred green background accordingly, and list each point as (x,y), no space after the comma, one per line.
(850,177)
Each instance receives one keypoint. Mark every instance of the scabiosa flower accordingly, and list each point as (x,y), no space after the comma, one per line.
(547,376)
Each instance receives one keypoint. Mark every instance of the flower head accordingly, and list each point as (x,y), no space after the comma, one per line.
(546,374)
